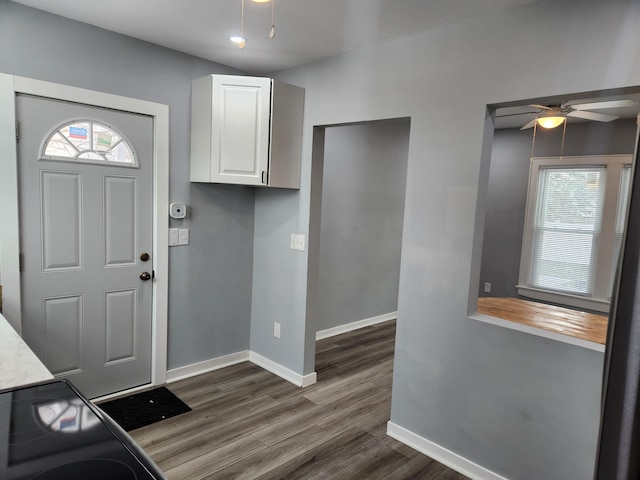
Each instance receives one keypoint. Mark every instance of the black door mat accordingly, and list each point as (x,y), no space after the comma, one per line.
(144,408)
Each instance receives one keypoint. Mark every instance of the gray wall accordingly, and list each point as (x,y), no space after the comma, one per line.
(363,187)
(520,405)
(508,183)
(210,280)
(523,406)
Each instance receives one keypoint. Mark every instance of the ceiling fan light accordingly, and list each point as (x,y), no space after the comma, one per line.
(240,41)
(551,121)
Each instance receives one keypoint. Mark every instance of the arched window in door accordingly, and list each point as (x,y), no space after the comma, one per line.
(87,141)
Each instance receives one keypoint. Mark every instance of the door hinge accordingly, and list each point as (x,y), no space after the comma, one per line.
(21,262)
(17,131)
(153,274)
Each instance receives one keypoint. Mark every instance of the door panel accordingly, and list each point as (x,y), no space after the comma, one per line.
(121,325)
(61,220)
(63,334)
(120,220)
(84,223)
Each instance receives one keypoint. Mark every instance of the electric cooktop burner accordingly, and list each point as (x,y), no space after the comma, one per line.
(50,431)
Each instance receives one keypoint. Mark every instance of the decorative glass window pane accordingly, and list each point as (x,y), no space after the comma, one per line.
(88,142)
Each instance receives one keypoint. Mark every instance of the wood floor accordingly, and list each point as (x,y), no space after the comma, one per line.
(247,423)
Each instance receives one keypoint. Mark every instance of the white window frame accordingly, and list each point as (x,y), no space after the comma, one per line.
(599,299)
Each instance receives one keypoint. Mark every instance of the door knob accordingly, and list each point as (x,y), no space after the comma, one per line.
(144,256)
(145,276)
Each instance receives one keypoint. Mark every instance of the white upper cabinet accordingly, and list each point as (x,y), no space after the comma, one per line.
(246,130)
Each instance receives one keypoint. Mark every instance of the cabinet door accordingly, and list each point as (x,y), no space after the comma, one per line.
(240,129)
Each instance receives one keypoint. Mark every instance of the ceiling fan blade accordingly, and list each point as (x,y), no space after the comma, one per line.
(599,105)
(516,114)
(598,117)
(529,125)
(544,107)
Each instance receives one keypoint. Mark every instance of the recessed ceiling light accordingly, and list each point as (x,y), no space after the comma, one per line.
(240,41)
(260,1)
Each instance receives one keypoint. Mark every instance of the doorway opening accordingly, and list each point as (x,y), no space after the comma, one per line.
(357,214)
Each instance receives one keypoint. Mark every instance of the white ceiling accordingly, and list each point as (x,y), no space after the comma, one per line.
(306,30)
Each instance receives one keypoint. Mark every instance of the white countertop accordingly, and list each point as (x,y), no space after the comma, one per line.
(19,366)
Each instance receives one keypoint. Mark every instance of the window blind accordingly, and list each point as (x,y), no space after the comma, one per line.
(567,225)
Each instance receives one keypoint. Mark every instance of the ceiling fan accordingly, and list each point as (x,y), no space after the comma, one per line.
(551,116)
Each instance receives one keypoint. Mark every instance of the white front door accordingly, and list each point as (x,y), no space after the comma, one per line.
(85,188)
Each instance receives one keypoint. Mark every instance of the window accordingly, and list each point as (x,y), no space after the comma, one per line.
(88,142)
(576,210)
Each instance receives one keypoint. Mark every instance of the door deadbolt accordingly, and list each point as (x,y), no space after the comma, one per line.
(145,276)
(144,256)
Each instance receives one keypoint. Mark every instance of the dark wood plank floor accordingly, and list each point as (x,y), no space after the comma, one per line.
(247,423)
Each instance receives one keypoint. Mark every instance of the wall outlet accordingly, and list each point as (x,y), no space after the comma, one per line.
(487,287)
(297,242)
(276,329)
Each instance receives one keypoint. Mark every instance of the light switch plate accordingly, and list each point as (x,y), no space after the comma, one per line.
(184,236)
(174,237)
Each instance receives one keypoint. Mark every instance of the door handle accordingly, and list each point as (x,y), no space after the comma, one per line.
(145,276)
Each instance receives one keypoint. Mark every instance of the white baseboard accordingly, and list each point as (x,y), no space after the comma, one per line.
(283,372)
(446,457)
(367,322)
(199,368)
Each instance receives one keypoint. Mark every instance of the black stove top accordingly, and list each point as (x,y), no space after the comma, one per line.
(50,431)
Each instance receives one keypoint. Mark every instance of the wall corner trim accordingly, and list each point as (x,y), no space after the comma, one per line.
(348,327)
(441,454)
(283,372)
(217,363)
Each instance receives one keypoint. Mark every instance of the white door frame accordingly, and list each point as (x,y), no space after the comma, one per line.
(10,85)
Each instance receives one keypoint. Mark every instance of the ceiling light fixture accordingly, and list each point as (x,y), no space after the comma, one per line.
(240,40)
(551,121)
(555,119)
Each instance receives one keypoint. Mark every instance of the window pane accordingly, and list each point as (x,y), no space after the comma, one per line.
(90,141)
(59,146)
(621,215)
(564,261)
(566,228)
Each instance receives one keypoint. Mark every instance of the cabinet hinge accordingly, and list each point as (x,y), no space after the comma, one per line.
(17,131)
